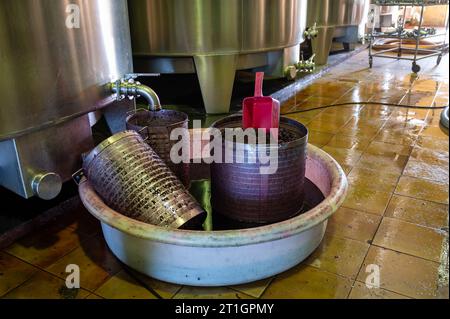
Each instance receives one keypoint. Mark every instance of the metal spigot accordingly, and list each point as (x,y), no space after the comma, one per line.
(128,87)
(311,32)
(290,72)
(306,66)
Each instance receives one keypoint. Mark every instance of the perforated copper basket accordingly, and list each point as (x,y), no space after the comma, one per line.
(240,192)
(131,178)
(155,127)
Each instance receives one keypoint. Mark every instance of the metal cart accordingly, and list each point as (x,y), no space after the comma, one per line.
(401,34)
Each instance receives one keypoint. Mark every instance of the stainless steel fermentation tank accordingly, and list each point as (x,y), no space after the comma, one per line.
(336,20)
(214,38)
(54,74)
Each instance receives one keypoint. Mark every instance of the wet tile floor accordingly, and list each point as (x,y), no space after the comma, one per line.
(395,215)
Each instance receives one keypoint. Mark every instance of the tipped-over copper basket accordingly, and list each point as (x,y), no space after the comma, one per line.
(131,178)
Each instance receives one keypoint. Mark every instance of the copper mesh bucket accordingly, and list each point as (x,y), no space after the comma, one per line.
(132,179)
(155,127)
(240,192)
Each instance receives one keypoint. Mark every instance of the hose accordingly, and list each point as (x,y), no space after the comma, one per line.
(367,103)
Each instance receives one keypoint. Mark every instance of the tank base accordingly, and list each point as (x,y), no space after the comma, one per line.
(216,72)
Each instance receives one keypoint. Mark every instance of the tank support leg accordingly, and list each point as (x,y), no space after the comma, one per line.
(216,76)
(322,44)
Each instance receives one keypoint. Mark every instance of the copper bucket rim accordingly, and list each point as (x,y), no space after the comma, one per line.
(106,143)
(252,147)
(141,110)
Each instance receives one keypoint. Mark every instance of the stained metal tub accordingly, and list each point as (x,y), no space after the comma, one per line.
(217,258)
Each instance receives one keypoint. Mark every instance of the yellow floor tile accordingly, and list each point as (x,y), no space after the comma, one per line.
(350,223)
(434,132)
(123,286)
(433,120)
(430,156)
(418,98)
(437,144)
(334,117)
(441,100)
(393,164)
(319,139)
(396,137)
(367,200)
(420,169)
(371,179)
(254,289)
(343,113)
(404,124)
(303,116)
(165,290)
(340,256)
(45,246)
(324,126)
(13,272)
(314,102)
(426,85)
(95,260)
(387,149)
(343,156)
(209,293)
(404,274)
(288,105)
(327,89)
(45,286)
(360,127)
(417,211)
(370,88)
(299,118)
(423,189)
(355,95)
(309,283)
(361,291)
(409,238)
(372,111)
(350,142)
(409,116)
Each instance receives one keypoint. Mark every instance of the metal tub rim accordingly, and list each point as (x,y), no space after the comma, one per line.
(334,197)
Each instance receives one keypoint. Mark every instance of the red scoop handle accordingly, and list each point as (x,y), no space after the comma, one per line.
(259,83)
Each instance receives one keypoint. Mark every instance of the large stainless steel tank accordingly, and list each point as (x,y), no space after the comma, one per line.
(53,73)
(214,38)
(335,19)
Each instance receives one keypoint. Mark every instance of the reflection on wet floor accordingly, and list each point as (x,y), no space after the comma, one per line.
(395,215)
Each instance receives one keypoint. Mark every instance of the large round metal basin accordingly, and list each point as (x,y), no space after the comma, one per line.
(217,258)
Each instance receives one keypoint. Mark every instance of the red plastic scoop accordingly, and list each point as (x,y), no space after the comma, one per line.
(260,111)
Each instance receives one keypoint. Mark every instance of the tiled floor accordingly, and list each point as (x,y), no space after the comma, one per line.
(395,215)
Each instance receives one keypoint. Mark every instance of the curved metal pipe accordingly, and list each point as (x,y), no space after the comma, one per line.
(136,89)
(150,95)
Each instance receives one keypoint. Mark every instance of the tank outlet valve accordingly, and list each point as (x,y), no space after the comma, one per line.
(306,65)
(132,89)
(290,72)
(311,32)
